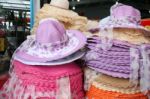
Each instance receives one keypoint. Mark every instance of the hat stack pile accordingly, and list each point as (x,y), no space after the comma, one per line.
(59,9)
(121,55)
(43,67)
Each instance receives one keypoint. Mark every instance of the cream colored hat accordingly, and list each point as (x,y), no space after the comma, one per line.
(60,3)
(58,9)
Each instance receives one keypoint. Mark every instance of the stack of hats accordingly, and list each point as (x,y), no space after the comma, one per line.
(121,54)
(59,9)
(43,67)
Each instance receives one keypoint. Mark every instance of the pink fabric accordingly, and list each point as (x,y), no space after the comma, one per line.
(43,75)
(44,79)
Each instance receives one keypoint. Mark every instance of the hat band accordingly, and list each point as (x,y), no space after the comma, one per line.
(128,19)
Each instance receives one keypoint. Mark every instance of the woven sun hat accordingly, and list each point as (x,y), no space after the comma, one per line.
(124,24)
(59,9)
(114,62)
(114,81)
(119,85)
(96,93)
(38,82)
(51,42)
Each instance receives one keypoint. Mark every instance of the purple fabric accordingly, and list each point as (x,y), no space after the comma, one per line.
(51,31)
(121,11)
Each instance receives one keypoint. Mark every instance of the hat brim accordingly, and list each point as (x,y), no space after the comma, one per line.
(69,59)
(105,22)
(77,40)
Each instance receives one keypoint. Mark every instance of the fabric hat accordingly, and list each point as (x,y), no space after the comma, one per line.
(96,93)
(122,16)
(124,23)
(52,42)
(68,59)
(57,82)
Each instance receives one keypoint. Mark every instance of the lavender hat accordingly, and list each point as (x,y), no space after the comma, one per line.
(122,16)
(51,42)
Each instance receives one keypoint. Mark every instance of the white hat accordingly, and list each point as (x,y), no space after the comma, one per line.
(60,3)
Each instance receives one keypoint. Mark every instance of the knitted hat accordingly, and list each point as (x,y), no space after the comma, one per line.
(63,81)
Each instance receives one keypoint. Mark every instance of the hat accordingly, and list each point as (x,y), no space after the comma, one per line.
(96,93)
(65,60)
(60,3)
(103,86)
(111,73)
(122,16)
(114,81)
(124,23)
(59,9)
(51,42)
(61,81)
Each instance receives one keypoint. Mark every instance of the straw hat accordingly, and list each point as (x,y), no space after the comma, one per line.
(58,9)
(114,81)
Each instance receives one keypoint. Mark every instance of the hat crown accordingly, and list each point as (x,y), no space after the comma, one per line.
(51,31)
(60,3)
(121,11)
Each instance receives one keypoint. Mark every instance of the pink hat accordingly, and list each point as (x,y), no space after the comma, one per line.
(41,82)
(52,42)
(122,16)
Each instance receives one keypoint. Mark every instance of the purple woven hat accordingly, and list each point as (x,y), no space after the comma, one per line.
(114,62)
(52,42)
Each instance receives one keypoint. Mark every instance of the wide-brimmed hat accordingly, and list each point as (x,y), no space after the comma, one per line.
(114,81)
(51,42)
(122,16)
(68,59)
